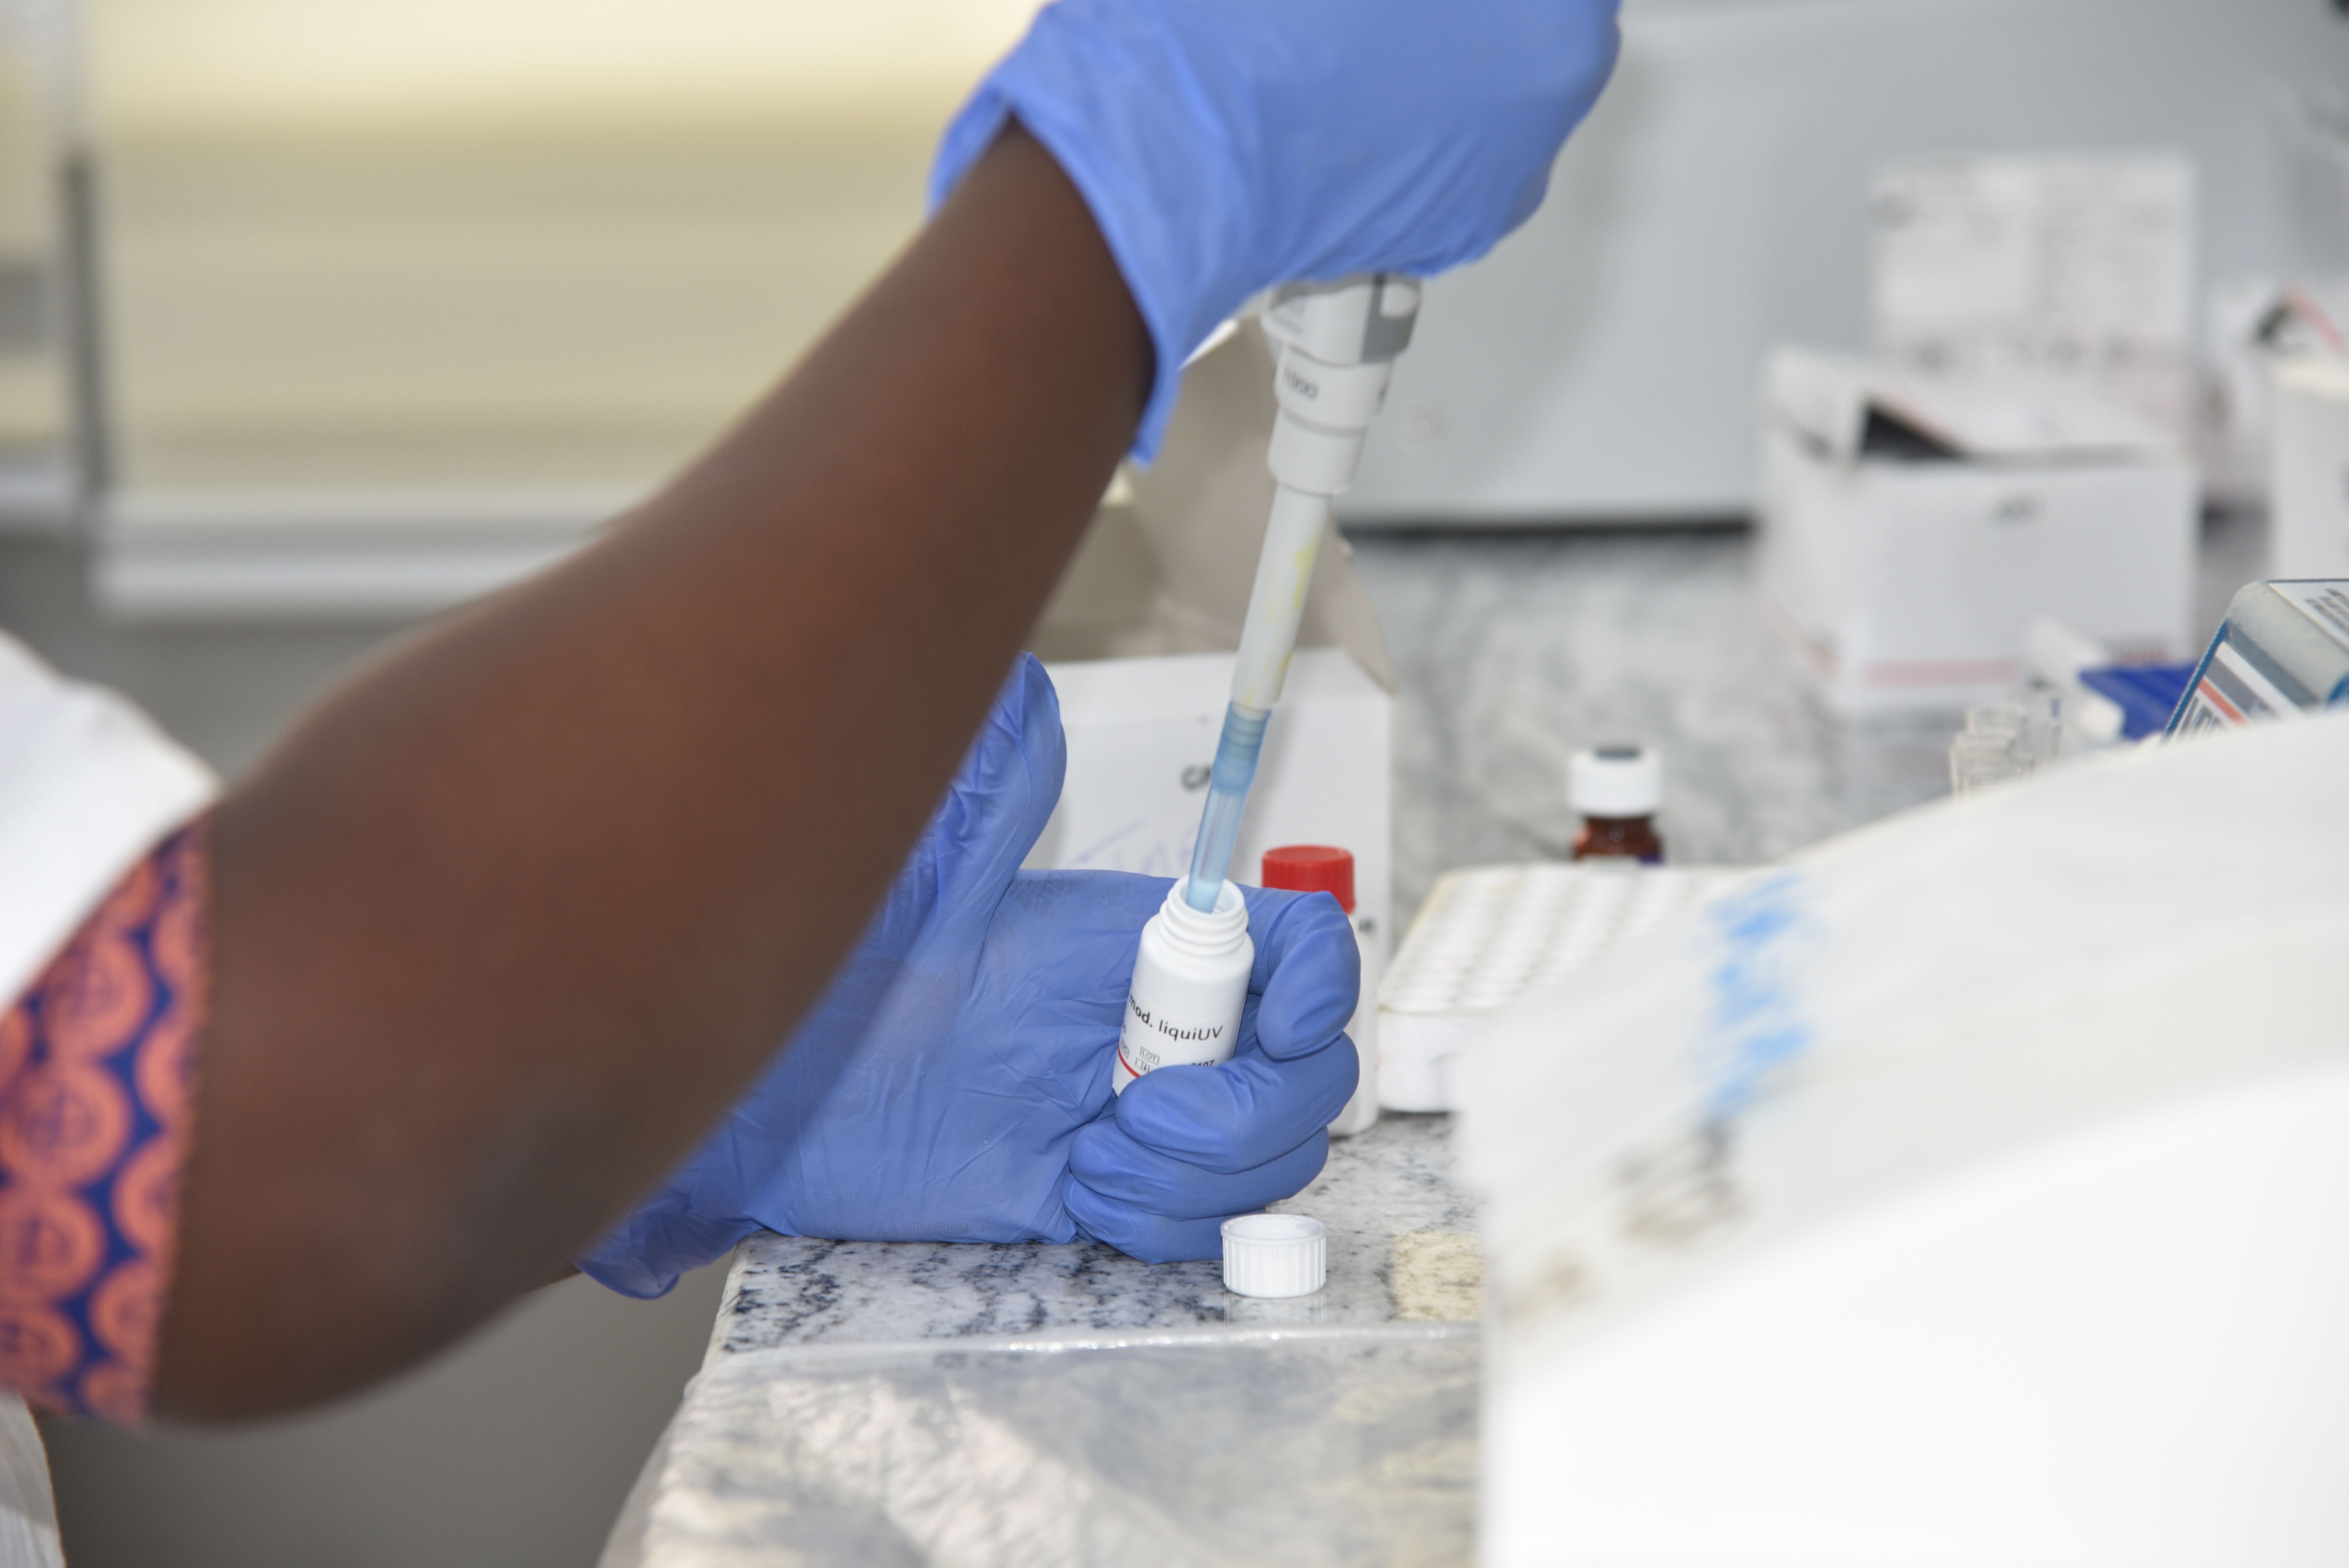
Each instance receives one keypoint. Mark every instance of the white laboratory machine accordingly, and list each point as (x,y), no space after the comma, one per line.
(1973,1189)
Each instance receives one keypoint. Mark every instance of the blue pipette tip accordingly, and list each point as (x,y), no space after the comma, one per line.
(1228,787)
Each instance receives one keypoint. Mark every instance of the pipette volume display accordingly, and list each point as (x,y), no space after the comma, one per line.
(1339,342)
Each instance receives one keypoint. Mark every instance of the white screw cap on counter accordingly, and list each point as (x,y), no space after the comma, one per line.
(1615,781)
(1275,1255)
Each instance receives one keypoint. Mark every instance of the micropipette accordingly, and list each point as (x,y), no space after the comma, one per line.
(1339,342)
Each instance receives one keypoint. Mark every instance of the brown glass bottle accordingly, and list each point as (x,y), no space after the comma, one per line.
(1617,788)
(1627,838)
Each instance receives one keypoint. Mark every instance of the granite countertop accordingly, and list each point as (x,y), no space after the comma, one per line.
(1402,1250)
(973,1404)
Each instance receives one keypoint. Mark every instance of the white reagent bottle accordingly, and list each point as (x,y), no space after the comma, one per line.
(1190,983)
(1322,868)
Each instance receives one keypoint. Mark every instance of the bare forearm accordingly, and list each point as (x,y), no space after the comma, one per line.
(507,922)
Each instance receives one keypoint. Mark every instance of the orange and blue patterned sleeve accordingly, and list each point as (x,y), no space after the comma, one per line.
(98,1066)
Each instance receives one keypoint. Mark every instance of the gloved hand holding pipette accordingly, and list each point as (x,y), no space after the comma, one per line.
(1224,151)
(954,1084)
(1228,147)
(1339,342)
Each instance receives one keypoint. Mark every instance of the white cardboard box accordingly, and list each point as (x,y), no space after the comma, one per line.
(1913,528)
(1140,639)
(2309,532)
(1141,733)
(2078,265)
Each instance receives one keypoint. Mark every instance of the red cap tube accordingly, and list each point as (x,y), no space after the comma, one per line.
(1312,868)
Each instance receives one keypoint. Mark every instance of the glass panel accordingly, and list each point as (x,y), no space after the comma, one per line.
(33,399)
(469,244)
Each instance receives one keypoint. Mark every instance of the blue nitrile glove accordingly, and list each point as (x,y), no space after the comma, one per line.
(954,1082)
(1229,145)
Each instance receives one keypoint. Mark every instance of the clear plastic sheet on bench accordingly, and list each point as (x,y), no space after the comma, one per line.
(1300,1447)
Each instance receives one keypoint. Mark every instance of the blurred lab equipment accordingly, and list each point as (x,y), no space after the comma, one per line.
(2257,328)
(1488,935)
(2279,433)
(2077,701)
(1995,1226)
(1914,526)
(950,1084)
(2308,517)
(2055,656)
(2010,739)
(1617,792)
(2314,123)
(2075,267)
(2281,652)
(1599,367)
(1322,868)
(2278,345)
(2144,694)
(2098,701)
(1339,345)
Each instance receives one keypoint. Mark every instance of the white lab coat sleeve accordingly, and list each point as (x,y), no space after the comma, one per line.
(28,1511)
(87,785)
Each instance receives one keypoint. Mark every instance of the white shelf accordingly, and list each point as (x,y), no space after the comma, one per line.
(327,555)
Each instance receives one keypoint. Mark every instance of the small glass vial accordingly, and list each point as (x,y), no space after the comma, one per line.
(1617,790)
(1190,983)
(1318,868)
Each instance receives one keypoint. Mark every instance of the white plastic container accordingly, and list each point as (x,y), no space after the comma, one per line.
(1275,1255)
(1487,934)
(1190,983)
(1903,585)
(2308,532)
(1323,868)
(1361,1112)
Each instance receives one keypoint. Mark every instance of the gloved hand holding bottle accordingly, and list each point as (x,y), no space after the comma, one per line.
(1229,145)
(954,1084)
